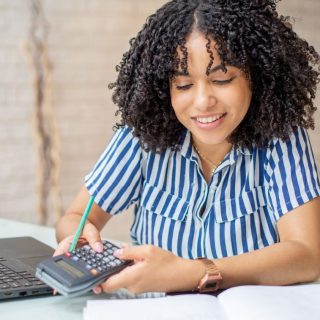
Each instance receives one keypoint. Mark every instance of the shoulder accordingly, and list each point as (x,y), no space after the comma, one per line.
(296,137)
(291,156)
(287,155)
(124,138)
(297,144)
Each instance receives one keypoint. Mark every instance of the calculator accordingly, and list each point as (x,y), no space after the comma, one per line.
(74,273)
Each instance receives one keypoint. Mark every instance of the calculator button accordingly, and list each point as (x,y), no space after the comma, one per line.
(75,258)
(117,262)
(88,267)
(94,272)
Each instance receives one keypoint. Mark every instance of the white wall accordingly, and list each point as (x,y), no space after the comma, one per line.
(86,41)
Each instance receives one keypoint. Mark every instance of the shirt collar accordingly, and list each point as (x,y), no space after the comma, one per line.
(187,149)
(186,144)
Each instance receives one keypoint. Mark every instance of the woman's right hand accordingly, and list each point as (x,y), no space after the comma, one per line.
(90,235)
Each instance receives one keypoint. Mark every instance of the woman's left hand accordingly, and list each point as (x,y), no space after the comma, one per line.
(154,270)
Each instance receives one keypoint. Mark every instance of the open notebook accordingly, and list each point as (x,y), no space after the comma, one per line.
(240,303)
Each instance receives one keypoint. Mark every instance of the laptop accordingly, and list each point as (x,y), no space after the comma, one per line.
(19,257)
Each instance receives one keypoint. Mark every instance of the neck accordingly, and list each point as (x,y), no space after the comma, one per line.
(214,152)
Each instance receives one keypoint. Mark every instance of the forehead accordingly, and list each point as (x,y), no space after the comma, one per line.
(198,53)
(197,40)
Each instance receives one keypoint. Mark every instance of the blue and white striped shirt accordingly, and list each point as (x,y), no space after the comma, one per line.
(176,209)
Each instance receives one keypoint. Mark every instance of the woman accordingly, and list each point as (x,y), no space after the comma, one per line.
(215,98)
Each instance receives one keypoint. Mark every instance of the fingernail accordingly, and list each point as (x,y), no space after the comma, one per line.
(124,245)
(98,246)
(97,290)
(118,253)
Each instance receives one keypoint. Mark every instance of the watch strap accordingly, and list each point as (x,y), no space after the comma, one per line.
(210,282)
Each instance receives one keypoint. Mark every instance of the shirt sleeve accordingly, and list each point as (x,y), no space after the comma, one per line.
(115,180)
(293,176)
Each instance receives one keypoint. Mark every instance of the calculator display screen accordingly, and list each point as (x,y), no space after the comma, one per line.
(69,268)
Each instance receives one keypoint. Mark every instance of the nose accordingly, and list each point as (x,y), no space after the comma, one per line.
(204,98)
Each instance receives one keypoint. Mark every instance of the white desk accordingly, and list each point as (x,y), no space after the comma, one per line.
(48,307)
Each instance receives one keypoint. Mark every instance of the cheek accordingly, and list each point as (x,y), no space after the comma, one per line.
(242,98)
(179,102)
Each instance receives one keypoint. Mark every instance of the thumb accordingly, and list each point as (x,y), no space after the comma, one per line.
(63,246)
(91,233)
(133,252)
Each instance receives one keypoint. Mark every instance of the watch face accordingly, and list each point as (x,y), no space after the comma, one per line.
(211,280)
(209,283)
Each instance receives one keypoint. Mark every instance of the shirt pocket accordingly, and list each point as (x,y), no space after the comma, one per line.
(163,203)
(246,203)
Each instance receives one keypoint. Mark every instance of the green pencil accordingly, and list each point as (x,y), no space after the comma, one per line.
(81,224)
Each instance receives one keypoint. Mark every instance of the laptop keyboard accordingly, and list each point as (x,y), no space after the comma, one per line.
(10,279)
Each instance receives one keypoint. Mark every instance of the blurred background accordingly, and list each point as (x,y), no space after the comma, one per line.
(56,114)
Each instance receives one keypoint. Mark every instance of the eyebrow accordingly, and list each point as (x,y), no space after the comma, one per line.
(212,70)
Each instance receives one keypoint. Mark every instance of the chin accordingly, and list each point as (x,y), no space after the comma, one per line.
(212,140)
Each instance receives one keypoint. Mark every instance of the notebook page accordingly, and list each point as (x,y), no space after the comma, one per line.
(272,302)
(189,306)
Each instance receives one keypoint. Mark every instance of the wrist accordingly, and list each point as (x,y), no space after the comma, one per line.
(191,272)
(212,279)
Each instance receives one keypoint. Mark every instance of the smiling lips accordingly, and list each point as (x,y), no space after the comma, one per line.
(209,122)
(210,119)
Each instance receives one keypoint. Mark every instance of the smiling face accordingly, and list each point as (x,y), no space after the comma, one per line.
(210,105)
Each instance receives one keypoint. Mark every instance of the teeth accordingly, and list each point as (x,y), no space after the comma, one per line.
(209,119)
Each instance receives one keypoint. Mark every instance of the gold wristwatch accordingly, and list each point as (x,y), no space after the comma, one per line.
(210,282)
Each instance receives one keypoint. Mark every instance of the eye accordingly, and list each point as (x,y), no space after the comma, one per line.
(184,87)
(221,82)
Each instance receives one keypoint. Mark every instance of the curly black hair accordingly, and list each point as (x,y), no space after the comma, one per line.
(284,70)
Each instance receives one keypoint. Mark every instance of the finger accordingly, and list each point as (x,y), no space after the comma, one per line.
(123,279)
(137,253)
(97,290)
(92,235)
(63,246)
